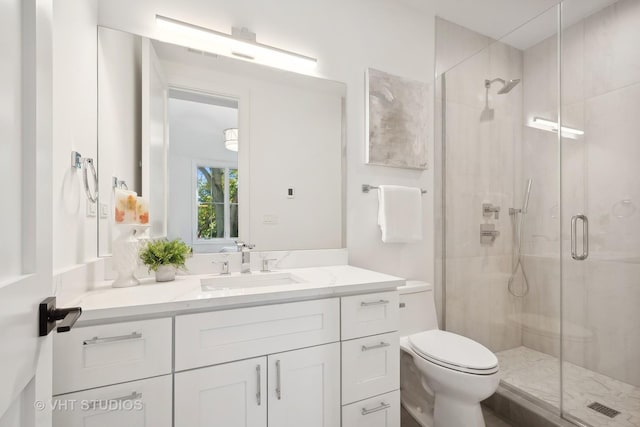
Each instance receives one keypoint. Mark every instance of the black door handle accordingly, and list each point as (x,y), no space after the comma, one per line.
(48,315)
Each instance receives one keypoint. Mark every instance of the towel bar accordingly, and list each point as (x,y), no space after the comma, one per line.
(366,188)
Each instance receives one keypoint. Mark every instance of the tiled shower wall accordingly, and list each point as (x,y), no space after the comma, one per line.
(489,158)
(483,139)
(601,178)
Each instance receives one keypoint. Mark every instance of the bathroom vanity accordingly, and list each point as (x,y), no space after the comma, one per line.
(301,347)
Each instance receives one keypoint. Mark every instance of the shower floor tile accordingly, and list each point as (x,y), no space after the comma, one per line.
(538,375)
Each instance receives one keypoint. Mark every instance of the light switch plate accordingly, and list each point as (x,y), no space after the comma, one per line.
(291,192)
(104,210)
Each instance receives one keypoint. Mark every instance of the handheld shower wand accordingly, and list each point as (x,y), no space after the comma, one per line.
(518,224)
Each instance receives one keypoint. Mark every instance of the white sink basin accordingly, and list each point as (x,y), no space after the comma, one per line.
(253,280)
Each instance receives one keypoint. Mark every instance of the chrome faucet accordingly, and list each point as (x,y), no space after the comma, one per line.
(488,209)
(244,249)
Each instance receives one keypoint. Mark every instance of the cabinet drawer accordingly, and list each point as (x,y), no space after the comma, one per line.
(369,314)
(370,366)
(223,336)
(100,355)
(134,404)
(380,411)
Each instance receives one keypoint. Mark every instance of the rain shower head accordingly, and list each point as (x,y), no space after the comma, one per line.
(506,85)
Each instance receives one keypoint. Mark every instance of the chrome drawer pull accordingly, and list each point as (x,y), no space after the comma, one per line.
(382,407)
(105,402)
(368,304)
(278,384)
(259,393)
(96,340)
(373,347)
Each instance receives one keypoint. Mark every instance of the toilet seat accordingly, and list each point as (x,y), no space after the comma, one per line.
(454,352)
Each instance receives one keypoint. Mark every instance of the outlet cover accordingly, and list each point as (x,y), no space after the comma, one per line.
(270,219)
(92,209)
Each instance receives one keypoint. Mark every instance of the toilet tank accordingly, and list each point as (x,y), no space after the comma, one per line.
(417,308)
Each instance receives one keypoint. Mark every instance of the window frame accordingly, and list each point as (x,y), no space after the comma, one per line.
(213,164)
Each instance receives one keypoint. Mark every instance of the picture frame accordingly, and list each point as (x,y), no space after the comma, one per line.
(397,121)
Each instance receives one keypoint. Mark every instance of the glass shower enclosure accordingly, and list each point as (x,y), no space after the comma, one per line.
(538,142)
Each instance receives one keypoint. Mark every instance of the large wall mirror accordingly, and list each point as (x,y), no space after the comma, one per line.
(220,149)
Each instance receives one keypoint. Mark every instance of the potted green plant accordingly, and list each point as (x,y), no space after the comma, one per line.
(164,257)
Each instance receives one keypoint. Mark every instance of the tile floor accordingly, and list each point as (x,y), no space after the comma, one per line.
(537,374)
(490,419)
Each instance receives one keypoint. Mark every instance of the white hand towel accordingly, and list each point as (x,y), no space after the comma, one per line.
(400,213)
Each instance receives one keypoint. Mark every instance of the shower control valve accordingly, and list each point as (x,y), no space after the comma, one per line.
(488,209)
(488,234)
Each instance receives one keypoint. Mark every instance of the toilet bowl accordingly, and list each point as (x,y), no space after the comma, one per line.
(444,376)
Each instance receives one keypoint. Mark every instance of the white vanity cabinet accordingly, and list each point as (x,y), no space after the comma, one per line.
(295,388)
(370,360)
(316,363)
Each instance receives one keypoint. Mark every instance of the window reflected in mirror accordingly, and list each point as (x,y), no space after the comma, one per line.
(203,170)
(217,199)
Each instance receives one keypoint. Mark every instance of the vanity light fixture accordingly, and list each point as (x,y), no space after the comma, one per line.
(551,126)
(241,44)
(231,139)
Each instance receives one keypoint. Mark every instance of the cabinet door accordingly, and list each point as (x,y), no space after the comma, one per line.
(304,387)
(229,395)
(134,404)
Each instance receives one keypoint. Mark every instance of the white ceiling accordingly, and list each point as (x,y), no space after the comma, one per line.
(497,18)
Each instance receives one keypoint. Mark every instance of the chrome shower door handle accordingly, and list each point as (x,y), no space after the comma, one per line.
(585,237)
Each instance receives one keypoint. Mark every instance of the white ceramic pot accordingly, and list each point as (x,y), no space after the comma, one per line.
(165,273)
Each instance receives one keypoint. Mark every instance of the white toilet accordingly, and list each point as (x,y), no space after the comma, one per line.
(443,376)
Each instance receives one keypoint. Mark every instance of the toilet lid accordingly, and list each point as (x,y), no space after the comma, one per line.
(454,352)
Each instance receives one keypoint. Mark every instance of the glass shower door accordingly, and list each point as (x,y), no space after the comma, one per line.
(600,211)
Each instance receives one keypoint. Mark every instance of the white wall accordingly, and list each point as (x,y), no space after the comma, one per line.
(347,38)
(74,128)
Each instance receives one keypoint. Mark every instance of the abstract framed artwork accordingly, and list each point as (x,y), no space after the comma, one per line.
(397,121)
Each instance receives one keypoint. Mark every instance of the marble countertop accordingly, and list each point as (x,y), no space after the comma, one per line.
(186,294)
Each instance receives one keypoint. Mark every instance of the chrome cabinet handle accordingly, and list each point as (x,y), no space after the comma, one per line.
(585,237)
(96,340)
(368,304)
(373,347)
(259,393)
(382,407)
(96,403)
(278,383)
